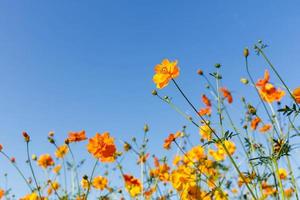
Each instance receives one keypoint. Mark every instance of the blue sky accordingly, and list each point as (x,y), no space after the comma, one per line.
(72,65)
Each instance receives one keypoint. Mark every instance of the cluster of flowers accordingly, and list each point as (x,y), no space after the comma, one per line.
(211,169)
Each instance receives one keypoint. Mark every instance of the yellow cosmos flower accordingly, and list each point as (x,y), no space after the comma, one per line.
(164,72)
(282,173)
(56,169)
(61,151)
(100,183)
(206,132)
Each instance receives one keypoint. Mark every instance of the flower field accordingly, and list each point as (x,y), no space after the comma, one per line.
(250,158)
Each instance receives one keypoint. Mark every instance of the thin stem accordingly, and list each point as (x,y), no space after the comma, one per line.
(91,178)
(31,168)
(19,171)
(75,168)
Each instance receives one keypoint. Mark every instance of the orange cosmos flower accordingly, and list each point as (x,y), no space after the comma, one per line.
(227,95)
(267,91)
(164,72)
(207,109)
(2,193)
(45,161)
(255,122)
(296,94)
(289,192)
(265,128)
(102,147)
(76,136)
(206,101)
(171,138)
(133,185)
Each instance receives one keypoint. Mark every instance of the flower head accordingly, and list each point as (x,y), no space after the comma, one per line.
(171,138)
(267,91)
(296,94)
(76,136)
(61,151)
(99,183)
(164,72)
(133,185)
(227,94)
(102,147)
(45,161)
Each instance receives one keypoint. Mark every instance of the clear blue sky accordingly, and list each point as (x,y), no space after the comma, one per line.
(72,65)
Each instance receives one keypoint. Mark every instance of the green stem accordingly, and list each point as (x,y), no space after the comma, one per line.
(31,168)
(91,178)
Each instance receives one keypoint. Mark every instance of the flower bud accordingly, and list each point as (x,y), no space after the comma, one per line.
(34,157)
(154,92)
(200,72)
(127,146)
(146,128)
(244,81)
(26,136)
(246,52)
(217,65)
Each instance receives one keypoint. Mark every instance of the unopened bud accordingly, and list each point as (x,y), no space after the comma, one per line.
(246,52)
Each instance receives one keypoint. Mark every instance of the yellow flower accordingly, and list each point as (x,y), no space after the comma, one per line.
(57,169)
(164,72)
(282,173)
(206,132)
(61,151)
(53,186)
(100,183)
(84,183)
(45,161)
(221,153)
(132,185)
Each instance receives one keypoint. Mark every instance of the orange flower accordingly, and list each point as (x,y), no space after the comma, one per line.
(45,161)
(255,122)
(206,101)
(265,128)
(296,94)
(267,91)
(164,72)
(2,193)
(205,111)
(102,147)
(227,95)
(171,138)
(76,136)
